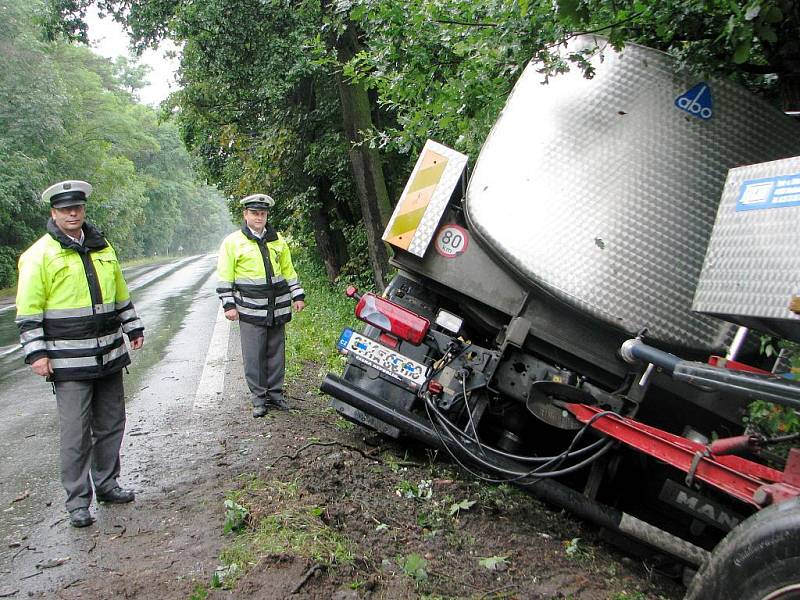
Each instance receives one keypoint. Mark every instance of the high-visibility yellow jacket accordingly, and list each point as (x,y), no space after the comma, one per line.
(73,305)
(256,276)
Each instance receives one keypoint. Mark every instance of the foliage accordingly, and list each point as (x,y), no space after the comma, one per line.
(494,563)
(442,70)
(235,516)
(414,566)
(500,497)
(421,491)
(572,547)
(297,528)
(259,107)
(356,271)
(8,265)
(312,334)
(456,508)
(774,420)
(629,596)
(576,550)
(343,424)
(70,114)
(225,576)
(200,592)
(773,347)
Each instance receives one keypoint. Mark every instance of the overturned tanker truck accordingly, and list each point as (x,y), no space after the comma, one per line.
(573,318)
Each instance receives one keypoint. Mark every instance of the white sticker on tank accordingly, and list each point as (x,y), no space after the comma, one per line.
(451,240)
(769,192)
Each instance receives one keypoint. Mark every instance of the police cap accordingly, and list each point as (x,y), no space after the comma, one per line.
(67,193)
(258,201)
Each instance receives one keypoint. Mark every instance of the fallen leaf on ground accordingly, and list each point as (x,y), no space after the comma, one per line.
(53,562)
(22,496)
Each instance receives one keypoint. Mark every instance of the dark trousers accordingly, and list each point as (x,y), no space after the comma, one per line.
(91,417)
(264,357)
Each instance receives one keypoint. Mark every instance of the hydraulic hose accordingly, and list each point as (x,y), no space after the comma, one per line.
(751,386)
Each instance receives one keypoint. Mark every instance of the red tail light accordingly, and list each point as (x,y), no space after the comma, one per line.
(391,318)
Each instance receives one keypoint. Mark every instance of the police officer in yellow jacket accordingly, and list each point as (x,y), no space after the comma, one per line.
(73,307)
(258,286)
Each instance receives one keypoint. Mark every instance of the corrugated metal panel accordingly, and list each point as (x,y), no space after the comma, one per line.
(604,191)
(752,267)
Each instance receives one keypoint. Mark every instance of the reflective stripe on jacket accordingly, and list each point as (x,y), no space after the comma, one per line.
(256,276)
(73,305)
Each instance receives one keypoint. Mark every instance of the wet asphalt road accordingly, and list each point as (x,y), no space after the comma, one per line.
(179,307)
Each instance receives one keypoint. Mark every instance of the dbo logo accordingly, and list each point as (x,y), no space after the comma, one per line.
(697,101)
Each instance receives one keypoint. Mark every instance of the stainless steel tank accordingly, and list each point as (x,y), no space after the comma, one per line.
(603,192)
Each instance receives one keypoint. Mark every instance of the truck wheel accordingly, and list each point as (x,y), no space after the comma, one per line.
(758,560)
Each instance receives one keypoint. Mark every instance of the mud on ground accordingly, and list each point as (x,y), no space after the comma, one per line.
(330,516)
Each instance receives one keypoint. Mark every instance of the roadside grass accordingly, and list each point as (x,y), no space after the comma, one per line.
(296,529)
(312,334)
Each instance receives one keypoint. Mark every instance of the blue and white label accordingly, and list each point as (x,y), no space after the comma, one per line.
(769,192)
(373,354)
(344,339)
(697,101)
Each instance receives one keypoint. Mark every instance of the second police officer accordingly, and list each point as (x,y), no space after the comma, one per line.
(258,286)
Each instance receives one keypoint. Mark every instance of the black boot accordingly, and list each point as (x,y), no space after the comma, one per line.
(80,517)
(279,404)
(117,496)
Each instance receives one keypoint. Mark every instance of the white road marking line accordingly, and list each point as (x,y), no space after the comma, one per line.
(6,350)
(161,271)
(212,381)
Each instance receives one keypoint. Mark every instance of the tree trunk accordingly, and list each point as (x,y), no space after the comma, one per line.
(365,161)
(331,243)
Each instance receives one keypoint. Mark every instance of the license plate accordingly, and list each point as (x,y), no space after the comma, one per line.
(383,359)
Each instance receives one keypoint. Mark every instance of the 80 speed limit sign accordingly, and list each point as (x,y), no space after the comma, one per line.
(451,240)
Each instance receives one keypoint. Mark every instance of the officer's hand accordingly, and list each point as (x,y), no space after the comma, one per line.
(232,314)
(137,343)
(42,367)
(298,305)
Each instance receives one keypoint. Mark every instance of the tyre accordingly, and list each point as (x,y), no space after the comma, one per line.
(758,560)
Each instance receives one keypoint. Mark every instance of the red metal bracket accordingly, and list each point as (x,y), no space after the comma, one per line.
(734,365)
(746,480)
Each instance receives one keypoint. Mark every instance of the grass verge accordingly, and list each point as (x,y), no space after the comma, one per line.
(293,528)
(312,334)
